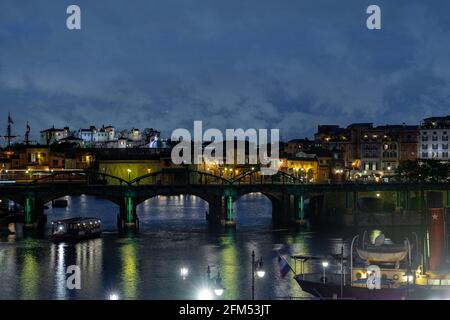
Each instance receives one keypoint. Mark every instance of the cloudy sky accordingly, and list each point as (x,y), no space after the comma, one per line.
(288,64)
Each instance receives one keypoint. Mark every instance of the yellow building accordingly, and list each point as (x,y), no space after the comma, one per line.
(129,169)
(303,168)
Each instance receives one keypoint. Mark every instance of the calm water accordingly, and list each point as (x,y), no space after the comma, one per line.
(173,234)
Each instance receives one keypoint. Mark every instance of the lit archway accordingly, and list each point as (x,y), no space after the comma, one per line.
(83,206)
(179,212)
(253,210)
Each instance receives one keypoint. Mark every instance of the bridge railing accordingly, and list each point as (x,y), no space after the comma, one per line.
(255,177)
(179,177)
(90,177)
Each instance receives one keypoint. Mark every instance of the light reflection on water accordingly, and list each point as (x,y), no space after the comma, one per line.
(174,233)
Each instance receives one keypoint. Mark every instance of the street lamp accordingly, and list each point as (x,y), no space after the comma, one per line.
(205,294)
(184,272)
(258,270)
(217,287)
(324,266)
(113,296)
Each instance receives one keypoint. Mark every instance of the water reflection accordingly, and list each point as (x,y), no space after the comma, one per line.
(230,265)
(60,274)
(146,266)
(130,270)
(29,273)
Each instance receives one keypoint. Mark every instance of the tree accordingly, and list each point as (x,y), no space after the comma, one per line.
(423,171)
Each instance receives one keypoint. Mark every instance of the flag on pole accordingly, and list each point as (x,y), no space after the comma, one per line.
(284,266)
(10,119)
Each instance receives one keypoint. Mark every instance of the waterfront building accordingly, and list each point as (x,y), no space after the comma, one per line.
(72,141)
(53,135)
(122,142)
(84,160)
(292,147)
(56,160)
(364,151)
(111,132)
(383,147)
(434,141)
(409,138)
(129,164)
(302,166)
(98,138)
(33,157)
(87,135)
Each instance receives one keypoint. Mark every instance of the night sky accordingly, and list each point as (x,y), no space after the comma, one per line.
(287,64)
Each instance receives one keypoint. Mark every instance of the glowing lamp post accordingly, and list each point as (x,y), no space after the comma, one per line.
(184,272)
(218,288)
(113,296)
(324,266)
(211,289)
(257,270)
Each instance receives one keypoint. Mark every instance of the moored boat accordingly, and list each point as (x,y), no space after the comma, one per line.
(76,229)
(384,272)
(383,254)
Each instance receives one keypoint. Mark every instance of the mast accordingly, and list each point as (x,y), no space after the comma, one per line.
(27,135)
(8,135)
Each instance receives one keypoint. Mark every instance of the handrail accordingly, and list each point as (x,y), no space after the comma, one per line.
(85,173)
(251,172)
(189,171)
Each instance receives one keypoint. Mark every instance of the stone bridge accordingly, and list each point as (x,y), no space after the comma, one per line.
(287,193)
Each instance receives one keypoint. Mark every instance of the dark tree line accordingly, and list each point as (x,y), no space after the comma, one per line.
(423,171)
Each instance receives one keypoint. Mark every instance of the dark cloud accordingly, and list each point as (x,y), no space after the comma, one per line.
(258,63)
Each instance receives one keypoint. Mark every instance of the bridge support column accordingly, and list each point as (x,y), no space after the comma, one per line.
(285,210)
(34,212)
(127,218)
(300,212)
(229,209)
(221,211)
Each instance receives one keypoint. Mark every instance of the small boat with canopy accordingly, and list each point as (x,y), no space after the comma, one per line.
(76,229)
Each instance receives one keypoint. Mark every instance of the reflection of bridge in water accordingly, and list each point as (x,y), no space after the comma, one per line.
(287,193)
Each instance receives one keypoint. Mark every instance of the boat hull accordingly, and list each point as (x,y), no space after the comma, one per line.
(74,238)
(333,291)
(379,257)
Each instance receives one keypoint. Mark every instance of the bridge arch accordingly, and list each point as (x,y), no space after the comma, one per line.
(85,205)
(181,210)
(255,209)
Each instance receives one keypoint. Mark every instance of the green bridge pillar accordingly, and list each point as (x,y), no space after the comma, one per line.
(127,217)
(34,212)
(229,211)
(300,216)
